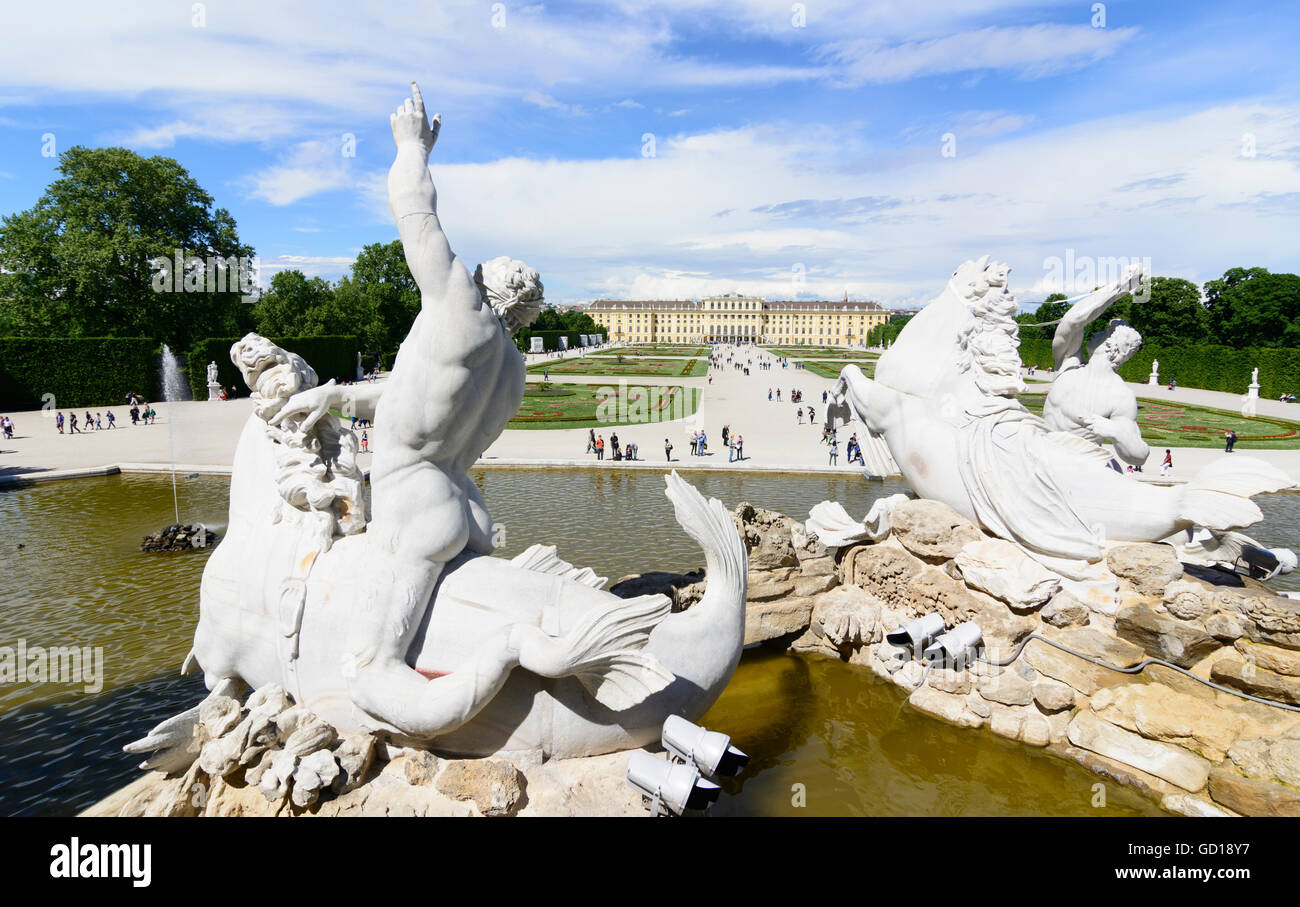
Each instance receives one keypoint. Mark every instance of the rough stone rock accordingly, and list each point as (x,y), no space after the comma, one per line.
(220,757)
(931,529)
(1084,676)
(179,538)
(1053,696)
(812,585)
(497,788)
(883,659)
(1064,610)
(777,618)
(944,706)
(1002,628)
(934,590)
(1224,627)
(807,547)
(817,566)
(768,536)
(1256,680)
(1271,658)
(1004,571)
(1006,722)
(1163,760)
(1252,796)
(847,616)
(1148,567)
(978,704)
(765,585)
(356,754)
(1268,618)
(910,675)
(886,571)
(420,768)
(1007,688)
(1160,713)
(1194,807)
(1188,600)
(1272,759)
(1036,730)
(946,680)
(1176,641)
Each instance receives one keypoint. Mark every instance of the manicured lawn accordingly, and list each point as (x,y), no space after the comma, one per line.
(629,367)
(654,349)
(831,368)
(1173,425)
(548,406)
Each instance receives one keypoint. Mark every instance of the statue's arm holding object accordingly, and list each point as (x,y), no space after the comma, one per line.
(1123,432)
(1067,344)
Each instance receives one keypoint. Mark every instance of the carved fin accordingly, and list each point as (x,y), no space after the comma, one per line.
(544,559)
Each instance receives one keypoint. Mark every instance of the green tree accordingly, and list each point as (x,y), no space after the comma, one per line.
(78,263)
(292,306)
(381,284)
(1173,316)
(1252,307)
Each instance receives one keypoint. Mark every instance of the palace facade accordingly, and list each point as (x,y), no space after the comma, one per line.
(733,318)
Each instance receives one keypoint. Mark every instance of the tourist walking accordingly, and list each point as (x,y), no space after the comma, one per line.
(58,422)
(72,424)
(1168,462)
(798,414)
(1230,439)
(365,442)
(591,441)
(112,420)
(835,453)
(740,447)
(600,447)
(668,451)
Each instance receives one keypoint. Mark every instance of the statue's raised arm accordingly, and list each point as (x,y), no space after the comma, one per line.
(414,199)
(1067,344)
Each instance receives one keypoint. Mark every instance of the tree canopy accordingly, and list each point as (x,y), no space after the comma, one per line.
(79,262)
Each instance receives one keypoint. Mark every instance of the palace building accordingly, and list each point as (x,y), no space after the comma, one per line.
(732,318)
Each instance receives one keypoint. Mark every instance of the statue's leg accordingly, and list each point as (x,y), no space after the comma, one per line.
(420,522)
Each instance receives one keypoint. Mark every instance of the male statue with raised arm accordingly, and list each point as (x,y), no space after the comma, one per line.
(457,380)
(1090,399)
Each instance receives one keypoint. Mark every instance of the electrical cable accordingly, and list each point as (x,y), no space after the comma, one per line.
(1135,669)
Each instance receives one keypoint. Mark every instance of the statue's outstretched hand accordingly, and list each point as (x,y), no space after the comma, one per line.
(1132,280)
(307,407)
(411,123)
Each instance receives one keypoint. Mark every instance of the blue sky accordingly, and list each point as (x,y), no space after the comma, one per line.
(791,158)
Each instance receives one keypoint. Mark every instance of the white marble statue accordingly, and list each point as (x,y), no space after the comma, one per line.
(389,614)
(1154,378)
(212,373)
(944,400)
(1089,398)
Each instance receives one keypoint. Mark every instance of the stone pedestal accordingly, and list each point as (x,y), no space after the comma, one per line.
(214,391)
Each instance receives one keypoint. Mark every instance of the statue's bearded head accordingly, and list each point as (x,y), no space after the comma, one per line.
(513,289)
(1117,343)
(272,373)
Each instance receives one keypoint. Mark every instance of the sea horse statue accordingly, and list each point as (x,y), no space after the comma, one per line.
(386,611)
(944,401)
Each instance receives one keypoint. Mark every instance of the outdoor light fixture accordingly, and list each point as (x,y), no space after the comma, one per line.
(917,634)
(672,787)
(709,751)
(956,647)
(1257,563)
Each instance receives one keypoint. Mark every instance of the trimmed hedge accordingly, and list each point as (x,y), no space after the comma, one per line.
(1208,367)
(332,356)
(76,371)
